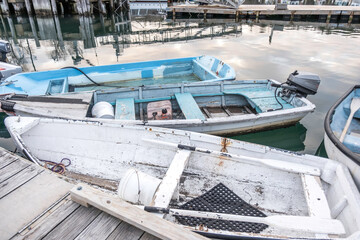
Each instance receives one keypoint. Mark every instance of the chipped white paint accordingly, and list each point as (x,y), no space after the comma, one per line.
(273,163)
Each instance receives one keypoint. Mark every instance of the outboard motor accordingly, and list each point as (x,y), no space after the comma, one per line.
(302,83)
(4,49)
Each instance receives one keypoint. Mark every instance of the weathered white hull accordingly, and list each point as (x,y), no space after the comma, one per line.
(334,153)
(346,150)
(263,176)
(219,126)
(216,124)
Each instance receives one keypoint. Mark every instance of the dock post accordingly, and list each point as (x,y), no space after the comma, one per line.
(34,31)
(28,7)
(54,8)
(79,8)
(205,11)
(101,7)
(292,16)
(19,7)
(237,16)
(328,17)
(5,7)
(112,6)
(351,17)
(174,13)
(257,16)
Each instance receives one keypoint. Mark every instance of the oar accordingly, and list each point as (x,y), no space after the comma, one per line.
(354,106)
(273,163)
(298,223)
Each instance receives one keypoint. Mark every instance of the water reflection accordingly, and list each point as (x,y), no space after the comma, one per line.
(290,138)
(36,40)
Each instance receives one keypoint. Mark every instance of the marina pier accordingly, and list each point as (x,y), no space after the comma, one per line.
(321,13)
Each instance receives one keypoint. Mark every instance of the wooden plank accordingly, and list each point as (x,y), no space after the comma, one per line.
(19,179)
(12,169)
(4,160)
(56,216)
(147,236)
(189,106)
(100,228)
(170,182)
(72,226)
(31,199)
(7,157)
(116,207)
(125,109)
(126,231)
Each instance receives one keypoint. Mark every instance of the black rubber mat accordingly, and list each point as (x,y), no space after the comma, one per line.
(221,199)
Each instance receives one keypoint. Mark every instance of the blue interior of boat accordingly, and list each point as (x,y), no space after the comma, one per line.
(352,138)
(194,101)
(189,106)
(202,68)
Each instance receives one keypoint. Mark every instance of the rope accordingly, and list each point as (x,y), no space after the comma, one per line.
(57,167)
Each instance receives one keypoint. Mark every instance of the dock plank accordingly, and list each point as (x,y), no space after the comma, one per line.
(7,158)
(55,217)
(29,200)
(100,228)
(4,160)
(12,169)
(74,224)
(18,179)
(126,231)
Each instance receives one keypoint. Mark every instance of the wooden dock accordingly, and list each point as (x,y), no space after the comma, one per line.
(293,12)
(35,203)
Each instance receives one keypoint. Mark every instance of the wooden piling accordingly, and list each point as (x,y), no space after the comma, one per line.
(5,7)
(19,7)
(351,17)
(112,6)
(328,17)
(101,7)
(292,16)
(28,7)
(53,7)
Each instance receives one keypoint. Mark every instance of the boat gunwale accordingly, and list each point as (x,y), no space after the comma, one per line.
(329,132)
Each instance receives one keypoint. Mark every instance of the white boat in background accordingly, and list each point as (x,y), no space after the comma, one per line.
(246,190)
(223,108)
(343,144)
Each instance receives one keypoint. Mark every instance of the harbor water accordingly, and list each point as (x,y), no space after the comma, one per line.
(256,50)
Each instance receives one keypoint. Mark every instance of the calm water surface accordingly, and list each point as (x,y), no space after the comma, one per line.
(268,49)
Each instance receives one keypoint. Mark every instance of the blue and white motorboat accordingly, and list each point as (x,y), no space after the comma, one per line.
(72,79)
(346,148)
(221,107)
